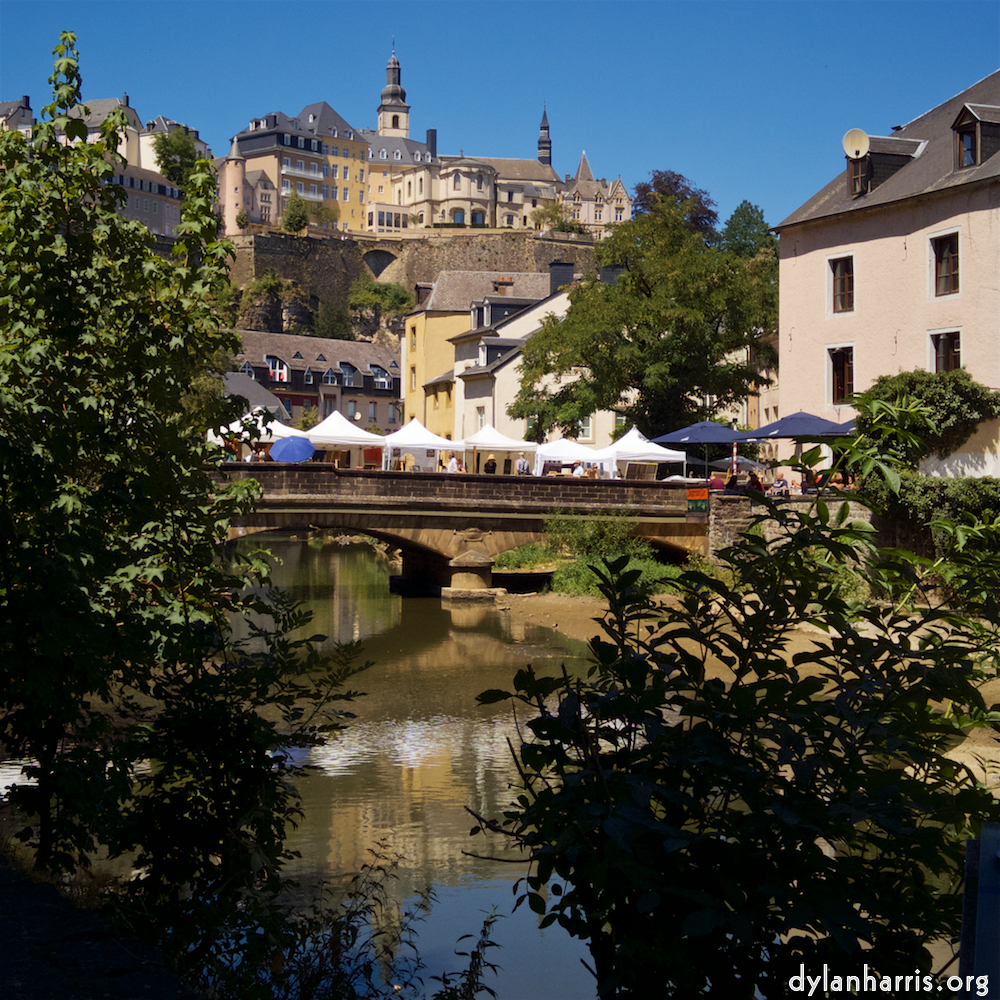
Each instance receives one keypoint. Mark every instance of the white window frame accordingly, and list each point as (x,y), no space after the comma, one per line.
(829,287)
(932,353)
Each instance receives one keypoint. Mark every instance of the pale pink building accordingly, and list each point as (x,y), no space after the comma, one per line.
(895,264)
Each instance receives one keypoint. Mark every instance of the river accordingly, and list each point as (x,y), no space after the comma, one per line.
(419,752)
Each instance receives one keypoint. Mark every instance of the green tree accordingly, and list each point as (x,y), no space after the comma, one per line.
(242,219)
(295,216)
(333,321)
(556,216)
(746,233)
(711,812)
(676,329)
(323,214)
(116,637)
(381,297)
(176,156)
(951,402)
(666,187)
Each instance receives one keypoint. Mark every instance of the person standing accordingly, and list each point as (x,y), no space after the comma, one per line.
(490,467)
(522,467)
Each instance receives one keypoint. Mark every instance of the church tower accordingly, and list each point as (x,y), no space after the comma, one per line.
(544,142)
(393,112)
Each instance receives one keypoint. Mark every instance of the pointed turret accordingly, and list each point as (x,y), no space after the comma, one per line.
(393,112)
(544,142)
(583,171)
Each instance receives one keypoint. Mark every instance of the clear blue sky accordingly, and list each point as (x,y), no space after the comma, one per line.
(747,99)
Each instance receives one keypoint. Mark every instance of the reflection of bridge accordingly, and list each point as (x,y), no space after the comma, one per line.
(449,527)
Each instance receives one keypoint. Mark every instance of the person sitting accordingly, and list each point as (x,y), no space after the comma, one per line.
(779,487)
(716,483)
(490,467)
(521,467)
(592,473)
(733,483)
(753,483)
(579,470)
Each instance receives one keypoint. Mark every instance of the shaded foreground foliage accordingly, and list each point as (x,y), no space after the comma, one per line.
(710,809)
(151,730)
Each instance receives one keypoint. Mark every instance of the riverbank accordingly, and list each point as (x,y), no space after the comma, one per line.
(573,617)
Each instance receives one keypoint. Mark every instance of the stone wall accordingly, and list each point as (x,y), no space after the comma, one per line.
(325,268)
(730,516)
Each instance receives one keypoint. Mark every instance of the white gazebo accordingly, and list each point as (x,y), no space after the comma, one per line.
(636,447)
(415,438)
(563,450)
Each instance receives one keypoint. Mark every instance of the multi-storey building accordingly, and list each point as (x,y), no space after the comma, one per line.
(359,379)
(894,264)
(17,116)
(316,154)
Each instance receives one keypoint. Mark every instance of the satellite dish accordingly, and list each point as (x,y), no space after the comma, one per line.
(856,144)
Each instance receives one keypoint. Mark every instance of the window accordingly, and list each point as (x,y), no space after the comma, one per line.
(277,369)
(333,192)
(947,351)
(393,413)
(945,264)
(352,409)
(334,151)
(307,378)
(313,168)
(312,189)
(841,374)
(286,186)
(329,377)
(372,414)
(300,187)
(459,217)
(348,372)
(382,154)
(326,190)
(361,176)
(247,370)
(346,196)
(586,429)
(286,162)
(413,338)
(456,181)
(396,155)
(843,284)
(413,378)
(478,218)
(381,377)
(480,417)
(859,175)
(300,165)
(335,171)
(510,195)
(302,142)
(479,183)
(968,147)
(395,121)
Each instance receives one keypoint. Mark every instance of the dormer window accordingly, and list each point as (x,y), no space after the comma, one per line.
(381,377)
(329,377)
(397,155)
(348,372)
(277,369)
(307,378)
(383,155)
(859,175)
(977,134)
(247,370)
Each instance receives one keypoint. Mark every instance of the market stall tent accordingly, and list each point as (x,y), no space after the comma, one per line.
(415,438)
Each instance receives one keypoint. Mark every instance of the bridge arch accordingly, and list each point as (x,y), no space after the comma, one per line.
(378,260)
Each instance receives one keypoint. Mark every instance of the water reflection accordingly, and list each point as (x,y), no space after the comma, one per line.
(419,752)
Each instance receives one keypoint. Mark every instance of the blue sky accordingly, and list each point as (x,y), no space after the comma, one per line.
(747,99)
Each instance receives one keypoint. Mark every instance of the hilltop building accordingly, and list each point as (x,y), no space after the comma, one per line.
(893,265)
(17,115)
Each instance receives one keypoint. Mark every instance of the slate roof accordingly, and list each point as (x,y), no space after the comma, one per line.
(390,143)
(448,376)
(101,108)
(359,353)
(521,170)
(512,348)
(455,291)
(238,384)
(932,170)
(325,120)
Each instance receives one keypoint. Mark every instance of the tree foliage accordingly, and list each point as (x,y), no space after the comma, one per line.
(746,233)
(711,810)
(176,156)
(556,216)
(951,403)
(295,216)
(668,343)
(117,648)
(381,297)
(666,187)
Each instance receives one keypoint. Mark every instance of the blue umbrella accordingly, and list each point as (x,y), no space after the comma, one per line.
(703,432)
(292,449)
(797,425)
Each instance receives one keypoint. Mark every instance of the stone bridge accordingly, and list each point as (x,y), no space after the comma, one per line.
(450,527)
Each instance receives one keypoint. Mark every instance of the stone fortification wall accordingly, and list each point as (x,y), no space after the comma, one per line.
(730,516)
(325,268)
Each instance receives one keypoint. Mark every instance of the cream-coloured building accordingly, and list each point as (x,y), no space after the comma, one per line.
(316,154)
(895,264)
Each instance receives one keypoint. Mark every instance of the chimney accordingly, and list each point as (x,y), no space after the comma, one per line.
(560,273)
(125,100)
(610,274)
(432,142)
(26,102)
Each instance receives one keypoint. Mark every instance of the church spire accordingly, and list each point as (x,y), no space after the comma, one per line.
(544,142)
(393,112)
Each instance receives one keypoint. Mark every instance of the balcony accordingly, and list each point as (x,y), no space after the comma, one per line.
(306,172)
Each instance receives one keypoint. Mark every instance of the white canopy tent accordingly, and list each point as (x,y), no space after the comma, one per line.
(415,438)
(489,439)
(563,450)
(337,431)
(258,435)
(636,447)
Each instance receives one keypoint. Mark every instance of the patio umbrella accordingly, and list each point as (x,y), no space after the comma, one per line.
(292,449)
(742,463)
(797,425)
(704,432)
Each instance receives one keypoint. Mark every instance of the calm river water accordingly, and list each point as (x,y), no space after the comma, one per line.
(419,752)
